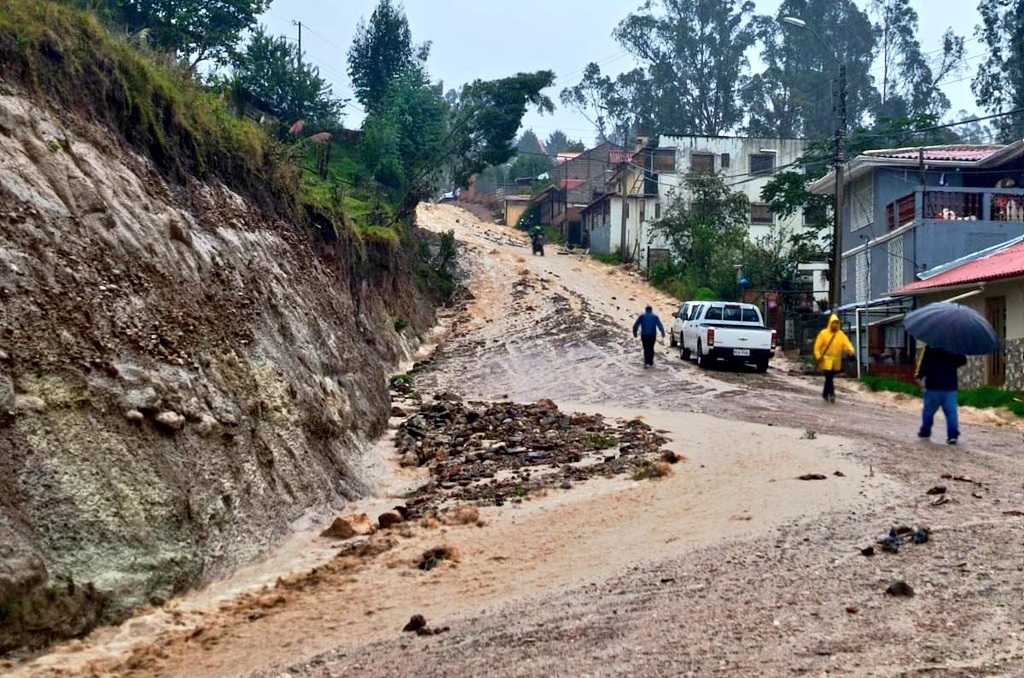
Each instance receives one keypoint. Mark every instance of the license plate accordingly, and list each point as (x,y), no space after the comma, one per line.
(741,351)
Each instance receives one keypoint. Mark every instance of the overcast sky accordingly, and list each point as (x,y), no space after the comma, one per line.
(480,39)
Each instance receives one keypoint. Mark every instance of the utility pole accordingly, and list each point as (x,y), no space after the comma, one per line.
(299,24)
(839,159)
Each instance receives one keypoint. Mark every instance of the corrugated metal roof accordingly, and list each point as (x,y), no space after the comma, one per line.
(954,152)
(1007,262)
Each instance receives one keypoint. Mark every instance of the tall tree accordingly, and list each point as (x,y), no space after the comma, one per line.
(558,142)
(269,74)
(693,54)
(999,83)
(381,52)
(616,108)
(194,30)
(486,117)
(531,158)
(909,84)
(792,96)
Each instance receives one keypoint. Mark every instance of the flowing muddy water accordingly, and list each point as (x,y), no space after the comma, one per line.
(553,327)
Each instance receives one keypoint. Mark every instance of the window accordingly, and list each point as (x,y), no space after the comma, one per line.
(714,313)
(894,337)
(751,315)
(725,161)
(760,213)
(762,163)
(625,207)
(896,262)
(862,276)
(665,160)
(694,311)
(862,203)
(702,162)
(643,210)
(657,210)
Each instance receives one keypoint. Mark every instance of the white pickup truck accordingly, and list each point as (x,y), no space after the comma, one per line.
(728,331)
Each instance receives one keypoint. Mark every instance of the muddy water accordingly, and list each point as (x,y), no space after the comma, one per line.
(556,327)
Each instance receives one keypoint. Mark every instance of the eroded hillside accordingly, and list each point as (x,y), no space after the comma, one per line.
(182,375)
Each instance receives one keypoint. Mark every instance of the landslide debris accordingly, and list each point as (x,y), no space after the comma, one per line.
(492,452)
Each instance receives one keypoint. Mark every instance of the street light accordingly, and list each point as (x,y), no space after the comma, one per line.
(838,158)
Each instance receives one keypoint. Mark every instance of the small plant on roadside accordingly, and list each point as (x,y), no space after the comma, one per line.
(403,379)
(613,259)
(652,470)
(598,441)
(400,324)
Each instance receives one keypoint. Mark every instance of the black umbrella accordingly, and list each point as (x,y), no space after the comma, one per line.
(952,327)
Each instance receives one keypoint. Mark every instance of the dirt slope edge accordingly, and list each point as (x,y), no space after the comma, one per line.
(181,377)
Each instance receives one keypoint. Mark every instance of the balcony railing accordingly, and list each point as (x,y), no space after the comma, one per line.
(956,204)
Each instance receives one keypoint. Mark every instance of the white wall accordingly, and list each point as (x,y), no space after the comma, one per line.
(739,150)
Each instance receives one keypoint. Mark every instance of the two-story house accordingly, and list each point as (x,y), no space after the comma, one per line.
(646,179)
(907,211)
(575,181)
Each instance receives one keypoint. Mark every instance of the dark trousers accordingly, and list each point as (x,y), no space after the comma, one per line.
(648,341)
(830,386)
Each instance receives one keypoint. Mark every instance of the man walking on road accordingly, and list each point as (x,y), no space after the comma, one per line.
(936,372)
(648,325)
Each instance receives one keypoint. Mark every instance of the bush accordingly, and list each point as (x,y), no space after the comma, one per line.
(982,398)
(400,324)
(613,259)
(890,384)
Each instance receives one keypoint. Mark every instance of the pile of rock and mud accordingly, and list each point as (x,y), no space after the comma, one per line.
(492,452)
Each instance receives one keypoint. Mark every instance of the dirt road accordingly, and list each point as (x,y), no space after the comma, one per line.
(731,566)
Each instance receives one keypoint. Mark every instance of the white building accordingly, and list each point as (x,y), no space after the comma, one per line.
(650,177)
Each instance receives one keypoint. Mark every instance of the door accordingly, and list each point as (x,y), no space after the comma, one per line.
(995,311)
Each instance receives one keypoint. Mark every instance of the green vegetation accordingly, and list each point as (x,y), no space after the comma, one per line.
(652,470)
(400,380)
(601,442)
(983,397)
(400,324)
(613,259)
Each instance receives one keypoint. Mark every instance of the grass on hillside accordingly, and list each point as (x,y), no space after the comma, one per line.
(71,58)
(983,397)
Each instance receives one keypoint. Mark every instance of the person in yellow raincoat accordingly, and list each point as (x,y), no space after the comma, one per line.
(829,348)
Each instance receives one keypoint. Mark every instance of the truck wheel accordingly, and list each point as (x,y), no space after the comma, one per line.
(703,361)
(671,339)
(762,365)
(684,353)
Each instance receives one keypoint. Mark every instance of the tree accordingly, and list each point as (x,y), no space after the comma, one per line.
(616,108)
(909,84)
(558,142)
(531,160)
(486,117)
(381,52)
(974,131)
(999,83)
(194,30)
(706,231)
(268,73)
(791,96)
(693,53)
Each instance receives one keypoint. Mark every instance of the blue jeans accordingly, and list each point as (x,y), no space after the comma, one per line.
(933,400)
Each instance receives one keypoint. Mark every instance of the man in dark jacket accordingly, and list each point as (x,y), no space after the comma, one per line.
(936,372)
(648,324)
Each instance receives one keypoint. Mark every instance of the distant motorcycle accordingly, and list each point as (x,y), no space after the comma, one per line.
(538,244)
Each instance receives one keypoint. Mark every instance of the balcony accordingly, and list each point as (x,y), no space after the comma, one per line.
(937,205)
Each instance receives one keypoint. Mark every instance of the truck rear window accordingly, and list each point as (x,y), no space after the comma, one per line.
(733,313)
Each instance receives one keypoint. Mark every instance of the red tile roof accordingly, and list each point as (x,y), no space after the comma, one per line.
(961,152)
(1003,263)
(572,183)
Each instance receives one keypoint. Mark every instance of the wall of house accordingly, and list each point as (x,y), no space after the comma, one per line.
(515,209)
(975,373)
(739,150)
(605,231)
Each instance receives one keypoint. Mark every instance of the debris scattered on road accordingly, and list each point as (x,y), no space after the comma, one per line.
(809,434)
(435,556)
(346,527)
(938,489)
(811,476)
(900,588)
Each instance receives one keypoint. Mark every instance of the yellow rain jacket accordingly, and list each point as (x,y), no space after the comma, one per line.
(830,346)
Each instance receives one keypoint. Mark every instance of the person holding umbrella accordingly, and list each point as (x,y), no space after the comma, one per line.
(829,348)
(951,332)
(936,374)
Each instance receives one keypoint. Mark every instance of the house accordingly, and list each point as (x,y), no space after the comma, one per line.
(645,181)
(616,220)
(576,180)
(746,163)
(514,206)
(910,210)
(991,282)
